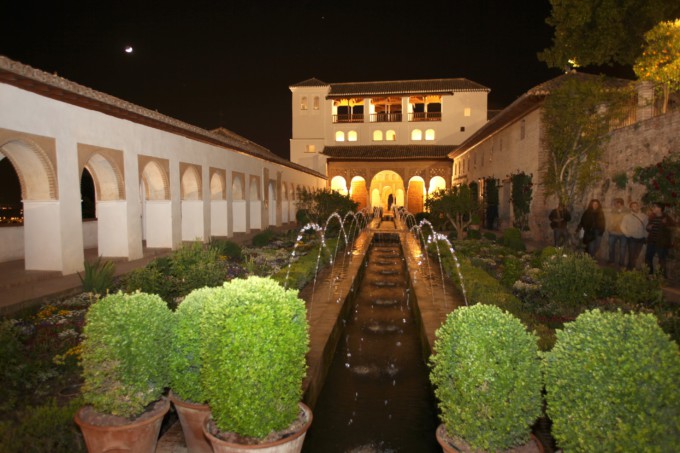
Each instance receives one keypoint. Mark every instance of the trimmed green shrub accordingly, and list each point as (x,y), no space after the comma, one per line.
(513,268)
(512,239)
(487,378)
(263,238)
(637,287)
(227,248)
(571,281)
(195,266)
(125,353)
(607,286)
(612,384)
(98,276)
(154,278)
(184,362)
(256,338)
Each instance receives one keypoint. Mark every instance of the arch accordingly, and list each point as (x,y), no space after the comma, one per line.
(254,188)
(155,181)
(390,135)
(377,136)
(429,135)
(217,186)
(352,136)
(416,134)
(358,192)
(191,183)
(237,189)
(415,195)
(105,168)
(36,173)
(339,184)
(436,183)
(339,136)
(88,195)
(386,183)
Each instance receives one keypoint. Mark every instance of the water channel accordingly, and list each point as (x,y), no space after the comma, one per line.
(377,396)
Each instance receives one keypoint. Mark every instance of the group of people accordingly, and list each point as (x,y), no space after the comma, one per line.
(627,232)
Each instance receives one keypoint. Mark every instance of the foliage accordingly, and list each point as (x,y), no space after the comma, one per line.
(512,239)
(607,286)
(591,32)
(98,276)
(491,191)
(47,428)
(319,204)
(489,236)
(154,278)
(11,352)
(660,181)
(637,287)
(612,384)
(620,180)
(184,361)
(263,238)
(456,203)
(512,270)
(304,268)
(125,352)
(522,193)
(571,280)
(577,115)
(660,59)
(255,341)
(227,248)
(486,374)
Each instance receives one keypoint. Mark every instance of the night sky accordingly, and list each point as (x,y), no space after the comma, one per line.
(229,63)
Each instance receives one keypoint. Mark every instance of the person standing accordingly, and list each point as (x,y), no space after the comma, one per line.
(634,229)
(659,239)
(593,224)
(616,239)
(559,217)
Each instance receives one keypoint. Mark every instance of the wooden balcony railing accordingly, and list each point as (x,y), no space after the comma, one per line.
(425,116)
(349,118)
(385,117)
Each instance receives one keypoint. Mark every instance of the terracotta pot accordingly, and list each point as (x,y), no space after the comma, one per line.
(450,445)
(290,444)
(107,433)
(191,416)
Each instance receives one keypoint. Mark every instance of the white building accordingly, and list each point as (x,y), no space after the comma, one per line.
(158,181)
(376,139)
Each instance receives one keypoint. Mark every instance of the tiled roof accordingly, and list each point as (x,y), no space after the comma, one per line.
(526,103)
(313,82)
(404,87)
(388,152)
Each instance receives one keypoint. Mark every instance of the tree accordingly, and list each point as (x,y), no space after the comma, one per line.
(522,193)
(660,59)
(602,32)
(318,205)
(660,181)
(576,116)
(455,204)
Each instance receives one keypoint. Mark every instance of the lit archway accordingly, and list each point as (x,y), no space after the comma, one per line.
(358,192)
(436,183)
(415,195)
(339,184)
(387,183)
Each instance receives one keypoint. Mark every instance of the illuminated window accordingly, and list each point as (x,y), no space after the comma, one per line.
(377,136)
(352,136)
(303,103)
(339,136)
(467,111)
(316,102)
(429,134)
(390,136)
(311,148)
(416,134)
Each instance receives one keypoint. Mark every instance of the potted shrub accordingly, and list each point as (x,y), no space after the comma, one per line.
(124,361)
(487,379)
(185,368)
(612,383)
(255,342)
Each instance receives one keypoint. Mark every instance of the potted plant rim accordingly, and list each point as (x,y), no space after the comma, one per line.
(487,378)
(612,383)
(255,339)
(185,367)
(124,361)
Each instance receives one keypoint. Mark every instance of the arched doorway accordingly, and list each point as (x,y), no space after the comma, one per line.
(339,184)
(358,192)
(386,184)
(156,205)
(416,195)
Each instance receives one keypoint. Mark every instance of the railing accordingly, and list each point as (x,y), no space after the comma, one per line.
(425,116)
(385,117)
(349,118)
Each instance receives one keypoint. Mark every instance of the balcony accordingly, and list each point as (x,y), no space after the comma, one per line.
(425,116)
(349,118)
(385,117)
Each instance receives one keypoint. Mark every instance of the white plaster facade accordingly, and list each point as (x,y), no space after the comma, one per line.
(156,179)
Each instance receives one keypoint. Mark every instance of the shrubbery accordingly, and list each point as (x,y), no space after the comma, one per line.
(512,239)
(637,287)
(571,281)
